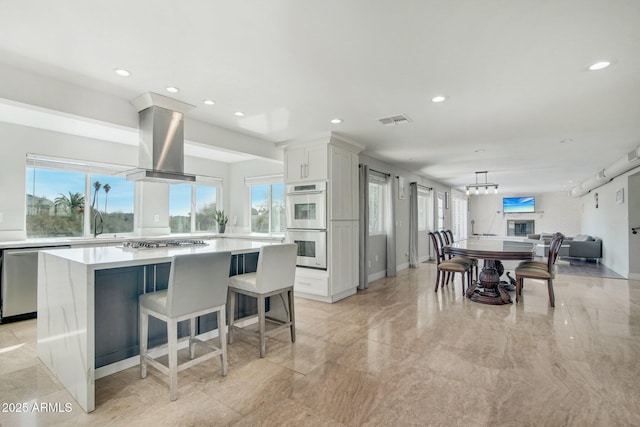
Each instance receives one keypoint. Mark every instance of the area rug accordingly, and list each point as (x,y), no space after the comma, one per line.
(584,267)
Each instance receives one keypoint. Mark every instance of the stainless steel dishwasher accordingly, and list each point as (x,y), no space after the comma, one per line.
(19,290)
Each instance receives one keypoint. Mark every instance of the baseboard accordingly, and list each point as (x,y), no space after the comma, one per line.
(376,276)
(402,266)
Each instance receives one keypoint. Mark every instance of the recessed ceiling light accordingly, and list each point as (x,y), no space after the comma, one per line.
(599,65)
(172,89)
(438,98)
(336,121)
(122,72)
(239,113)
(209,102)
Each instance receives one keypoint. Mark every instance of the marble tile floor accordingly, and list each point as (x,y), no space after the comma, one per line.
(396,354)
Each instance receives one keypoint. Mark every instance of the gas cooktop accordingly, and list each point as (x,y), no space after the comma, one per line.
(151,244)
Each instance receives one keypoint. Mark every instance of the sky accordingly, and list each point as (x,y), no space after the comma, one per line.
(52,183)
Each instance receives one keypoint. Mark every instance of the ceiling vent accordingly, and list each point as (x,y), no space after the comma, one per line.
(395,120)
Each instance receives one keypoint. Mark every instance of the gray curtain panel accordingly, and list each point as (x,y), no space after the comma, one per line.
(363,192)
(413,225)
(390,229)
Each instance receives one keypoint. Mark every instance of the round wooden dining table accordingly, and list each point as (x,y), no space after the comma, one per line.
(488,289)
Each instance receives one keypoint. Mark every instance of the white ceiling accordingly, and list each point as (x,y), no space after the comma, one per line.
(514,73)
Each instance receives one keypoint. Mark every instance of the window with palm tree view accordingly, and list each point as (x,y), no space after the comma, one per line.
(57,204)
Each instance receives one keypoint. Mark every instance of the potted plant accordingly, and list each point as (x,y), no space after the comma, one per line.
(221,219)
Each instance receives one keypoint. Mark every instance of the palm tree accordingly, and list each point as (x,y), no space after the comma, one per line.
(106,188)
(96,186)
(73,204)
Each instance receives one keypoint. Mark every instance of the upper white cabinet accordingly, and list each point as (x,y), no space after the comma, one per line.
(308,163)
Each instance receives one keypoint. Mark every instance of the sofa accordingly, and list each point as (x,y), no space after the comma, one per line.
(580,246)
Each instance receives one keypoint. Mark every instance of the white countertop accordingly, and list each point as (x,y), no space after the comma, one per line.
(117,256)
(103,239)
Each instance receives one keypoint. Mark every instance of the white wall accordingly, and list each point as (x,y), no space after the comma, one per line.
(610,221)
(632,199)
(555,211)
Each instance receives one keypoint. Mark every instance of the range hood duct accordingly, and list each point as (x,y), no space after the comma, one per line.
(161,146)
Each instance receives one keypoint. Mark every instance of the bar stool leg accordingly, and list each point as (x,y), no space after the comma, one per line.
(223,340)
(262,325)
(192,337)
(172,341)
(292,316)
(144,336)
(230,315)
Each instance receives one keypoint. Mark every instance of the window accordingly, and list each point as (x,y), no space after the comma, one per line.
(57,204)
(112,201)
(377,201)
(459,216)
(192,206)
(425,209)
(267,207)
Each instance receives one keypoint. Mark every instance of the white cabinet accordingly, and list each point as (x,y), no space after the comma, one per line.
(343,255)
(343,185)
(313,282)
(307,163)
(335,161)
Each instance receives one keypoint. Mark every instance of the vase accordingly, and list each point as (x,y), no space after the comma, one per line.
(221,228)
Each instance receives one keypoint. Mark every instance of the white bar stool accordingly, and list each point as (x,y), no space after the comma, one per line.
(275,275)
(198,285)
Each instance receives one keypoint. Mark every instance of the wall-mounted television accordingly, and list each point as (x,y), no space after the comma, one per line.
(518,204)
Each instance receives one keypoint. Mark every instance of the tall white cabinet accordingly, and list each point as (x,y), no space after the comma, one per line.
(335,161)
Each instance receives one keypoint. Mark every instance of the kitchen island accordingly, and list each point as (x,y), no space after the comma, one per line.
(87,306)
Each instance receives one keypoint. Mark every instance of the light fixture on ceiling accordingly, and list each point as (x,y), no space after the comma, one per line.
(600,65)
(209,102)
(239,114)
(439,98)
(336,121)
(172,89)
(486,185)
(122,72)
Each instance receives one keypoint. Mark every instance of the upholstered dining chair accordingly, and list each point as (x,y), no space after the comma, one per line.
(543,264)
(275,276)
(197,286)
(533,271)
(443,239)
(449,266)
(474,261)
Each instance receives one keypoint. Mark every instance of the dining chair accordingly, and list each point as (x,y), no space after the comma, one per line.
(532,271)
(443,240)
(543,264)
(275,276)
(474,261)
(197,286)
(450,266)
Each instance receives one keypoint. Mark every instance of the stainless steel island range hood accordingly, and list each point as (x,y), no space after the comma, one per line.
(161,147)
